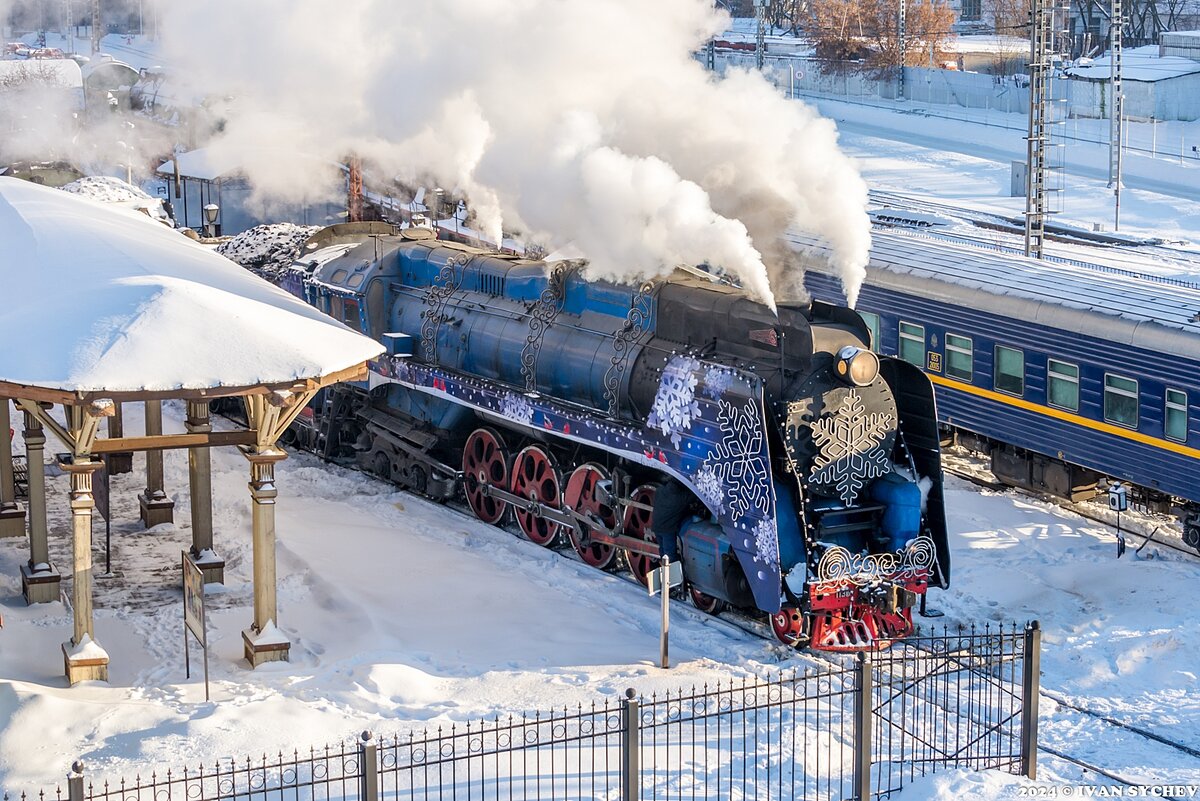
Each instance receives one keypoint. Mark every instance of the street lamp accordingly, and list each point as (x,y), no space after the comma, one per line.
(211,211)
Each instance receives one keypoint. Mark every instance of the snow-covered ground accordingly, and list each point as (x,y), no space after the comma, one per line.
(402,612)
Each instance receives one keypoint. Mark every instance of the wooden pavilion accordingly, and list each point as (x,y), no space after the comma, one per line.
(110,307)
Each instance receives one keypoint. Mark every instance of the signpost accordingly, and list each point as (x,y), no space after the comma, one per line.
(668,575)
(193,615)
(1118,501)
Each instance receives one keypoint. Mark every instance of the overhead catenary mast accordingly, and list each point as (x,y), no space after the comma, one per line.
(760,32)
(1116,106)
(96,33)
(1044,170)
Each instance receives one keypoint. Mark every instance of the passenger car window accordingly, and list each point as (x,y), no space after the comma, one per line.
(1175,421)
(872,321)
(1120,400)
(1062,385)
(912,343)
(959,357)
(1010,370)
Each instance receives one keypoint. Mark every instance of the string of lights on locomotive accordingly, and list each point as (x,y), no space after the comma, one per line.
(525,387)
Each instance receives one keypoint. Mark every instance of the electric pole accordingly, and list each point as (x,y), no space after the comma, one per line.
(1044,40)
(760,36)
(96,33)
(901,42)
(1116,24)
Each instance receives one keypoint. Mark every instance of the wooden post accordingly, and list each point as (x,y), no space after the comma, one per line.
(200,486)
(39,578)
(154,504)
(263,641)
(84,659)
(121,462)
(12,516)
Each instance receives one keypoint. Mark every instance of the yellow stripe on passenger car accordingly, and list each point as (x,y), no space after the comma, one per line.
(1068,417)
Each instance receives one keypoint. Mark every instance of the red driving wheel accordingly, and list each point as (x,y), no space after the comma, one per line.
(535,477)
(638,523)
(485,463)
(585,495)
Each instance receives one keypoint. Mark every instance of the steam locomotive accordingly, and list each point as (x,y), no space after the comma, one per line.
(813,463)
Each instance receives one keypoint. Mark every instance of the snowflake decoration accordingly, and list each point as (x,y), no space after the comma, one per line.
(717,381)
(708,485)
(741,460)
(675,404)
(517,407)
(850,448)
(766,541)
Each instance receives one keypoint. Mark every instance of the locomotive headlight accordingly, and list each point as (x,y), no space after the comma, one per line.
(857,366)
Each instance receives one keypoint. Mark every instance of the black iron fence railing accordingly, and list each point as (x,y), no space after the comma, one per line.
(861,729)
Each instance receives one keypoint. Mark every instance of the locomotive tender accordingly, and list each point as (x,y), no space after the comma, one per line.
(813,462)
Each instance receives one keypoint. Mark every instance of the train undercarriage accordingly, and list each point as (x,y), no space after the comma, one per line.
(1035,472)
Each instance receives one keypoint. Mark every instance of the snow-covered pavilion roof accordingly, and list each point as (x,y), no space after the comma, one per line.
(102,299)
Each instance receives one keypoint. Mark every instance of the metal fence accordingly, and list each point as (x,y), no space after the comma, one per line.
(858,730)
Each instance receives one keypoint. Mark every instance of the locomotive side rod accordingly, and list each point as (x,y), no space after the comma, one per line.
(585,527)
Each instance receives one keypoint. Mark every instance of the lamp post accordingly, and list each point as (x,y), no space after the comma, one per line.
(211,212)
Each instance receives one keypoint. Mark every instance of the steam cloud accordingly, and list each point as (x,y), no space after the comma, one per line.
(572,120)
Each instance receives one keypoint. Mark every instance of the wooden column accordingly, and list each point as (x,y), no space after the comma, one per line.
(263,641)
(39,578)
(154,504)
(121,462)
(269,415)
(84,659)
(12,516)
(200,487)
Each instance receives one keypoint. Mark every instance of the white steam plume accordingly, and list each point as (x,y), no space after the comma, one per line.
(574,120)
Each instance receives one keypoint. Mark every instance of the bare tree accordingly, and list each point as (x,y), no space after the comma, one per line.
(1008,17)
(867,31)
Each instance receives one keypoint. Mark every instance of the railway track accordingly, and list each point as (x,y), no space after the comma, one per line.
(1101,251)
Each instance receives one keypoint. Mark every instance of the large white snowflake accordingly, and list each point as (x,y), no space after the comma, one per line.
(766,541)
(517,407)
(675,404)
(741,461)
(717,381)
(850,449)
(708,485)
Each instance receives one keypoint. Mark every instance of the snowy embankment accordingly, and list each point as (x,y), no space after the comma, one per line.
(404,613)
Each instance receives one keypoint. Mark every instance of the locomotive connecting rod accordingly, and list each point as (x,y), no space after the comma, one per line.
(588,529)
